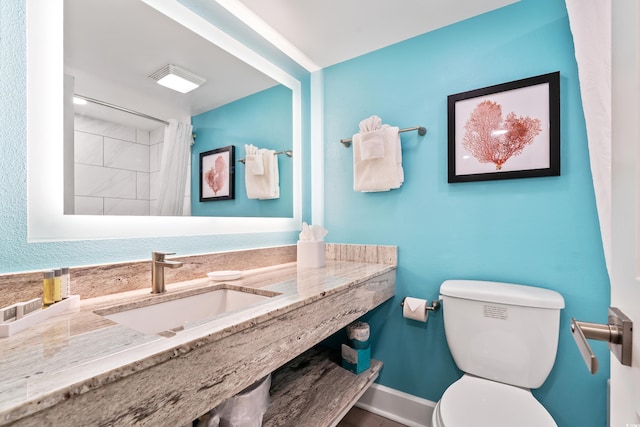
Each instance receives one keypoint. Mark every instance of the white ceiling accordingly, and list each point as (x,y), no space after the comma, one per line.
(112,46)
(331,31)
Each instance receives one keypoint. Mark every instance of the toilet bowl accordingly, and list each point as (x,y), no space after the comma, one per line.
(478,402)
(504,337)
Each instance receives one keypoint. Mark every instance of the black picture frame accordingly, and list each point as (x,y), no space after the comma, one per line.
(217,174)
(526,143)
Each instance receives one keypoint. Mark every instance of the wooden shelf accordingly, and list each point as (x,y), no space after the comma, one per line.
(314,390)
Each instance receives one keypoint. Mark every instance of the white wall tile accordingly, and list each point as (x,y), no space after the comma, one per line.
(155,157)
(126,207)
(131,159)
(88,205)
(87,148)
(104,182)
(126,155)
(143,186)
(101,127)
(154,185)
(156,135)
(142,137)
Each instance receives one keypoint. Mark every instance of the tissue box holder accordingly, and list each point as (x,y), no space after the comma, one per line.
(310,254)
(356,360)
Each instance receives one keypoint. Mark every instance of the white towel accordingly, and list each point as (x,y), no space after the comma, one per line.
(383,173)
(370,124)
(372,138)
(267,185)
(253,160)
(372,144)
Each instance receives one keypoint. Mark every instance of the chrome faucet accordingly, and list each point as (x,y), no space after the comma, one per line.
(158,263)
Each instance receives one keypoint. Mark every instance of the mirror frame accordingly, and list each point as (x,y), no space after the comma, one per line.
(45,64)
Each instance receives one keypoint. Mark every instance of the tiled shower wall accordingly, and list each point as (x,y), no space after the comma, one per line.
(117,168)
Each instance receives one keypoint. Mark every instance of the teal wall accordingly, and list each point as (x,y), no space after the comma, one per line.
(539,231)
(16,253)
(262,119)
(535,231)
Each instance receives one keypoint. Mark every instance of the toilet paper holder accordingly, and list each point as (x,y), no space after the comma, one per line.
(435,304)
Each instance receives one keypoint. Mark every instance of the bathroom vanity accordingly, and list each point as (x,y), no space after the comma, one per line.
(83,369)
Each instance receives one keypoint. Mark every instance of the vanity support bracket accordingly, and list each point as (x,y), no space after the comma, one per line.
(618,332)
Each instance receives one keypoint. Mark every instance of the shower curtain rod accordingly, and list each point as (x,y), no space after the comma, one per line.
(117,107)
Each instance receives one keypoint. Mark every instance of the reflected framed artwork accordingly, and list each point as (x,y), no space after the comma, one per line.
(217,174)
(510,130)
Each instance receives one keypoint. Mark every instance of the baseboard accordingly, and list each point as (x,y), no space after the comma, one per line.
(397,406)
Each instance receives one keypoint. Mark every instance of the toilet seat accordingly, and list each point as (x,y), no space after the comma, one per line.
(473,401)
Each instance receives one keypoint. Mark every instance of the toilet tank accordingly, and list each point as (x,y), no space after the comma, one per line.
(501,331)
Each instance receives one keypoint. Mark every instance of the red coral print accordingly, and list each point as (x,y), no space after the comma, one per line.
(216,176)
(490,140)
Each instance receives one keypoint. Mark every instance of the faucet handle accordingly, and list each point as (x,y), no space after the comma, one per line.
(159,256)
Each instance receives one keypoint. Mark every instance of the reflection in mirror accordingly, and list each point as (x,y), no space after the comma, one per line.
(45,118)
(119,133)
(262,120)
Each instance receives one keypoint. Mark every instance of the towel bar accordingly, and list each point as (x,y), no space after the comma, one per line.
(289,153)
(421,131)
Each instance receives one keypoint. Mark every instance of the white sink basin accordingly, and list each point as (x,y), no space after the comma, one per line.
(167,314)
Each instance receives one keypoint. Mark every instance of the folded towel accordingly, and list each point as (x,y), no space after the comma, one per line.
(370,124)
(253,160)
(372,144)
(267,185)
(372,138)
(382,173)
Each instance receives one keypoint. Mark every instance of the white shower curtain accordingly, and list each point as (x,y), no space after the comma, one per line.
(590,22)
(176,152)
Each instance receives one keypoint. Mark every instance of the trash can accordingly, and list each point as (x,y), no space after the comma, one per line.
(245,409)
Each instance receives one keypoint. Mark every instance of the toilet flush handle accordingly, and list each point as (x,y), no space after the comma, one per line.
(617,332)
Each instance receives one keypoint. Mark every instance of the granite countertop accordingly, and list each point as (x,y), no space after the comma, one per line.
(73,353)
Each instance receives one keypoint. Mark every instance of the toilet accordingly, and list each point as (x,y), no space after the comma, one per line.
(504,337)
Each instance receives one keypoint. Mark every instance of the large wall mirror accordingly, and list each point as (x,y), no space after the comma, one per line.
(54,76)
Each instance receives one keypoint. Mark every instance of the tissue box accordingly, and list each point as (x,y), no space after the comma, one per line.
(358,334)
(310,254)
(356,360)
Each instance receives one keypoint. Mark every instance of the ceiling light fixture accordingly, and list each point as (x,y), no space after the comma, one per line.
(177,78)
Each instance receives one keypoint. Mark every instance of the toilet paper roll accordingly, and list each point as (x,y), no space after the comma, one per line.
(358,334)
(359,331)
(415,308)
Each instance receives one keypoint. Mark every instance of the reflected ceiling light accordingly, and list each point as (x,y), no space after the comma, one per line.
(177,78)
(79,101)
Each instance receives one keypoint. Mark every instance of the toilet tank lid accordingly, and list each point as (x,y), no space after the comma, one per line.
(502,293)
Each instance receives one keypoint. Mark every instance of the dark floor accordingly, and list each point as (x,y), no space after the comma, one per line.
(357,417)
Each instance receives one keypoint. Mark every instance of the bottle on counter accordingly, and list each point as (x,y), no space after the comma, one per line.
(57,285)
(47,288)
(66,283)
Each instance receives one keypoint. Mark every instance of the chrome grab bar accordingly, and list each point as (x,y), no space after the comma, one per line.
(618,332)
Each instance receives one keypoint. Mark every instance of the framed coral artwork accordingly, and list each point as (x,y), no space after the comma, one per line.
(510,130)
(217,174)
